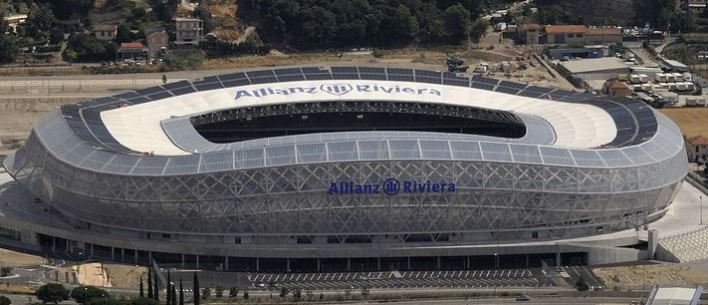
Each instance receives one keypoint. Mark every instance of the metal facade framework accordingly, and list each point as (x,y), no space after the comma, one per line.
(276,191)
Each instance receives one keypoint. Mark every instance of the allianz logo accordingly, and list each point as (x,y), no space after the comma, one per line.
(337,90)
(390,187)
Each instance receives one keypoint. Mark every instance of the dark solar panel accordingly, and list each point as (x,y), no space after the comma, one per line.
(371,70)
(263,80)
(539,89)
(318,76)
(139,100)
(429,80)
(401,78)
(211,86)
(236,83)
(484,80)
(291,78)
(161,95)
(530,94)
(176,85)
(105,100)
(373,76)
(210,79)
(350,70)
(427,73)
(512,85)
(507,90)
(182,91)
(126,95)
(483,86)
(455,82)
(400,71)
(233,76)
(344,76)
(313,70)
(260,73)
(290,71)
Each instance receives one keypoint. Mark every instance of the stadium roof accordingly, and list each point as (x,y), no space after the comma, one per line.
(139,127)
(151,132)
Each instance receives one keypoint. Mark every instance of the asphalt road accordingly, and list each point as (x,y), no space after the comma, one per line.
(539,301)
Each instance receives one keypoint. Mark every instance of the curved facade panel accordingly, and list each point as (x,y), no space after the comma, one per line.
(374,186)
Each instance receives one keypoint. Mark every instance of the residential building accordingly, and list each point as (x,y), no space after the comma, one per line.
(603,35)
(157,41)
(188,31)
(694,6)
(565,34)
(529,33)
(614,87)
(105,31)
(697,149)
(132,50)
(13,20)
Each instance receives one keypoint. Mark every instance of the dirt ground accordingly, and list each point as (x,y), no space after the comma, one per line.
(638,277)
(691,121)
(14,259)
(125,276)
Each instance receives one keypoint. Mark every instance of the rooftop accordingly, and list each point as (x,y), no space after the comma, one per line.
(595,64)
(529,26)
(132,45)
(105,27)
(674,296)
(565,29)
(603,31)
(698,140)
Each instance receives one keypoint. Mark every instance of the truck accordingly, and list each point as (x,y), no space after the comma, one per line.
(455,64)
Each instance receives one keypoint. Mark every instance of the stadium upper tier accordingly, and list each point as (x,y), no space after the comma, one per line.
(154,120)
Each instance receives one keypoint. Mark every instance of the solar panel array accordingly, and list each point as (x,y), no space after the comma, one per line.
(635,120)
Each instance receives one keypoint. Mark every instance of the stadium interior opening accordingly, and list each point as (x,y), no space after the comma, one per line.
(252,123)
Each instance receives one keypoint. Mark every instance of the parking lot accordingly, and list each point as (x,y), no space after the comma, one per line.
(531,278)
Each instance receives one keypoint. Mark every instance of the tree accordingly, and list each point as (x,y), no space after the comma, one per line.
(206,293)
(173,293)
(284,292)
(86,48)
(52,293)
(43,18)
(5,271)
(144,301)
(149,283)
(56,35)
(168,291)
(196,289)
(142,290)
(403,24)
(84,294)
(457,21)
(8,49)
(479,28)
(582,284)
(219,292)
(4,300)
(156,288)
(233,292)
(181,293)
(138,13)
(297,294)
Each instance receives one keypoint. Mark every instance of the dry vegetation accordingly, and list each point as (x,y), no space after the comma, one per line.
(691,121)
(637,277)
(13,259)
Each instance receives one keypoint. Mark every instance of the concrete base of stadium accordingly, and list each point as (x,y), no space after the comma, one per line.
(28,224)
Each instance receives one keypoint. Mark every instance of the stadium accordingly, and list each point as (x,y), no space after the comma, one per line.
(341,168)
